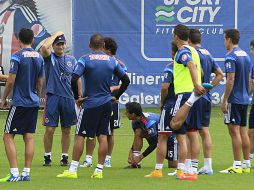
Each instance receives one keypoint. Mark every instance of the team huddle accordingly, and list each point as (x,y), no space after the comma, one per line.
(85,93)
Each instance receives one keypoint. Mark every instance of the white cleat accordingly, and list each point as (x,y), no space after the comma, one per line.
(172,173)
(86,164)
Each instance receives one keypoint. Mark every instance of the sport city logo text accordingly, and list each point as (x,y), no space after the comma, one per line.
(200,14)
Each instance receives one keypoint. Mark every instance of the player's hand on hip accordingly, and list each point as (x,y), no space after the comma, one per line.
(224,107)
(114,100)
(80,101)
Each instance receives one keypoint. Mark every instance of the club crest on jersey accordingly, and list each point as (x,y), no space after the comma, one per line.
(69,64)
(184,57)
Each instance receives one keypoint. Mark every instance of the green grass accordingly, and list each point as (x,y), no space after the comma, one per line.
(118,178)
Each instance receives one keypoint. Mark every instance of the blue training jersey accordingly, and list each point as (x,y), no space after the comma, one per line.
(208,65)
(149,123)
(116,80)
(169,78)
(98,69)
(238,61)
(58,71)
(28,66)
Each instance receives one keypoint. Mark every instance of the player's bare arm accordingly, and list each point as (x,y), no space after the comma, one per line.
(251,86)
(46,47)
(9,85)
(39,86)
(218,77)
(194,76)
(229,86)
(164,92)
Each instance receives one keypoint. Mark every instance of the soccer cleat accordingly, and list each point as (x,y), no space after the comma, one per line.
(190,176)
(172,173)
(67,174)
(133,166)
(154,174)
(97,175)
(25,178)
(107,163)
(64,161)
(182,176)
(47,161)
(86,164)
(246,170)
(10,178)
(207,86)
(232,170)
(203,170)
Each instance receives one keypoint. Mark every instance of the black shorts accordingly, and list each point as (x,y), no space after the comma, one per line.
(21,120)
(94,121)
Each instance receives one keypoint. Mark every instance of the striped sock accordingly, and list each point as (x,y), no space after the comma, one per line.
(194,166)
(98,168)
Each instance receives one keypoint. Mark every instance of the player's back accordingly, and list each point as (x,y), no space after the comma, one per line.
(169,78)
(207,63)
(239,61)
(27,64)
(98,73)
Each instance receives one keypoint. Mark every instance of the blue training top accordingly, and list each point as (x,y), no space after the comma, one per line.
(98,70)
(28,66)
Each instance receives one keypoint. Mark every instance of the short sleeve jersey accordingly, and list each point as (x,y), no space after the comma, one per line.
(28,65)
(98,70)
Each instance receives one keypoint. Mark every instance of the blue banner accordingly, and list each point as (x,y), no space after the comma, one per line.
(143,30)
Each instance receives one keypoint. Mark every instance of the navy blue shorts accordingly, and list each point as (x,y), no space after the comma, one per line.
(94,121)
(59,107)
(193,121)
(237,114)
(172,148)
(115,117)
(21,120)
(163,127)
(206,112)
(251,117)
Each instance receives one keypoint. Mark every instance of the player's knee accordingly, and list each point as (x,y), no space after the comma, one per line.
(66,132)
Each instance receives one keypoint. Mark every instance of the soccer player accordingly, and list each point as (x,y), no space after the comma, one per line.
(59,97)
(25,79)
(167,104)
(97,69)
(145,126)
(110,49)
(208,66)
(236,99)
(187,77)
(251,116)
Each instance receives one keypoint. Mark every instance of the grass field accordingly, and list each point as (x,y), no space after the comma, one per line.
(117,177)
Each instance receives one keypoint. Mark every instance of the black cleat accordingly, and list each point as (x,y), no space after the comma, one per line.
(64,161)
(47,161)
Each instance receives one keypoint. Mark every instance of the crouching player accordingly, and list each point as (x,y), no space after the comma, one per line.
(144,125)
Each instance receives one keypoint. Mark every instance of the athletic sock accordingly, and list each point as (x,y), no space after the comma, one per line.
(251,156)
(187,167)
(89,158)
(158,166)
(208,163)
(180,166)
(192,99)
(194,166)
(74,166)
(108,157)
(25,172)
(98,168)
(47,154)
(237,164)
(246,164)
(14,172)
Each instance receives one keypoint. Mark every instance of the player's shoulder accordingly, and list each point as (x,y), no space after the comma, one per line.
(203,51)
(169,67)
